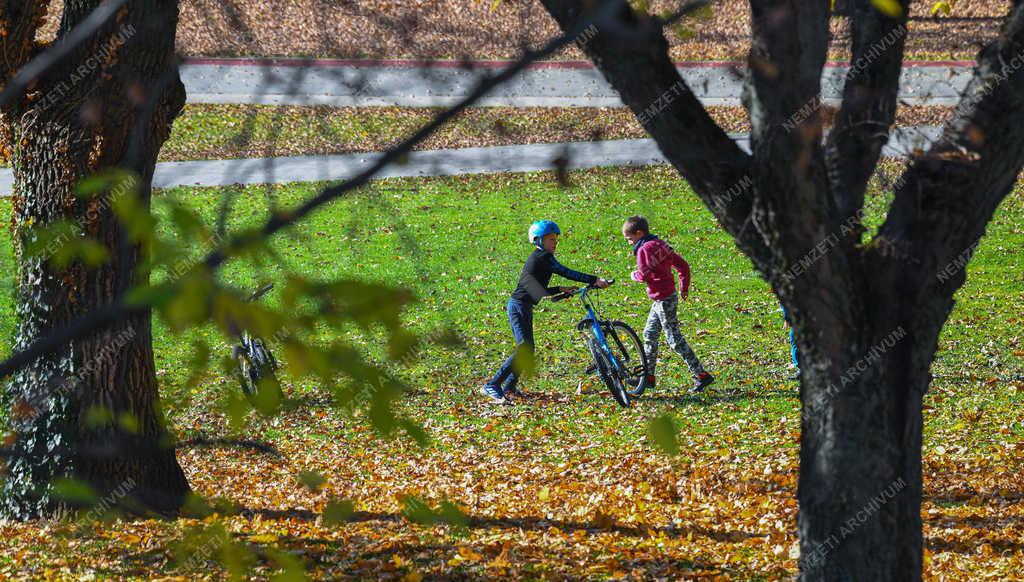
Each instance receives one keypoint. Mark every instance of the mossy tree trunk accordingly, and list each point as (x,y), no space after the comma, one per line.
(89,412)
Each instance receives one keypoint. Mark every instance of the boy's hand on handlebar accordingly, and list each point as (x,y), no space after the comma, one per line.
(601,284)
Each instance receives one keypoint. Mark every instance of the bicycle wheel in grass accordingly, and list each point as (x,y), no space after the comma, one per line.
(257,369)
(606,370)
(627,348)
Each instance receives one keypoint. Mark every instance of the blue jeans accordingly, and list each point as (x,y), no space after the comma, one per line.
(792,342)
(520,318)
(792,347)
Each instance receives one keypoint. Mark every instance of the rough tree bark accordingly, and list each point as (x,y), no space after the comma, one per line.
(867,313)
(89,412)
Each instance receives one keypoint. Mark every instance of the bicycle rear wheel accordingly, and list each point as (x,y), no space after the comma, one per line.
(627,348)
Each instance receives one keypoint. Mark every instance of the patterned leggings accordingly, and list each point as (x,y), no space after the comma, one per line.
(663,317)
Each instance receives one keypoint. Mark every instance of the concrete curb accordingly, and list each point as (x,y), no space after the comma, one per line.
(449,162)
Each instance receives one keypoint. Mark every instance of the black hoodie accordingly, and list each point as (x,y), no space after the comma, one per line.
(533,282)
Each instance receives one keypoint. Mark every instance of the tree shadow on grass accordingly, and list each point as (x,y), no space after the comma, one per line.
(362,557)
(967,496)
(997,530)
(723,395)
(526,523)
(523,562)
(961,545)
(363,552)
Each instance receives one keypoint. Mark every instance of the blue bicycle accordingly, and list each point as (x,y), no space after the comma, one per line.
(255,362)
(618,355)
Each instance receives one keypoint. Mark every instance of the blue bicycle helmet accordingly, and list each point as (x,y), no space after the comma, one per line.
(540,228)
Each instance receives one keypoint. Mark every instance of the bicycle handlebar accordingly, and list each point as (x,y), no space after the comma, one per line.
(261,292)
(562,296)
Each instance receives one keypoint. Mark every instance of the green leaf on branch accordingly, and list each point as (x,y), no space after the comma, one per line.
(890,8)
(417,511)
(338,512)
(198,363)
(451,514)
(291,569)
(75,492)
(134,215)
(62,243)
(662,432)
(237,407)
(191,304)
(381,415)
(943,7)
(524,362)
(151,295)
(269,396)
(304,359)
(312,480)
(188,225)
(129,423)
(415,432)
(114,181)
(402,345)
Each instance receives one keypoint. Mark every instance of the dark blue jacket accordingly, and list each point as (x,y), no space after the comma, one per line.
(533,282)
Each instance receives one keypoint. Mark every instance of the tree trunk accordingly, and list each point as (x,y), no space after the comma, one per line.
(867,314)
(91,411)
(860,460)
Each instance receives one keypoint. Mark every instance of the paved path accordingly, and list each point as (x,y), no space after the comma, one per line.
(548,84)
(485,160)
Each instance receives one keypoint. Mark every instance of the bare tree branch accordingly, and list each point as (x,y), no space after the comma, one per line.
(935,220)
(868,110)
(82,327)
(27,74)
(20,21)
(640,70)
(788,52)
(242,444)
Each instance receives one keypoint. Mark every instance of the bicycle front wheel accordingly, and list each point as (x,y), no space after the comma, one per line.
(605,368)
(625,345)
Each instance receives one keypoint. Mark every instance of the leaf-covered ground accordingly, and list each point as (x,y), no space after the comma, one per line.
(472,29)
(568,486)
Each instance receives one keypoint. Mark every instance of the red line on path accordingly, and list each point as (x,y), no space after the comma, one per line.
(411,63)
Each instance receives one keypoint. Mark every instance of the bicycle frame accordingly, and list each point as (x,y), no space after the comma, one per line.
(595,325)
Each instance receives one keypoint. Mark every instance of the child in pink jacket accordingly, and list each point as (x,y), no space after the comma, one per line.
(655,260)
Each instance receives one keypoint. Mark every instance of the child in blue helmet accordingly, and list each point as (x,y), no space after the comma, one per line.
(533,285)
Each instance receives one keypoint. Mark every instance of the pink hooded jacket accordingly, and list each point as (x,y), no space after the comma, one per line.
(655,260)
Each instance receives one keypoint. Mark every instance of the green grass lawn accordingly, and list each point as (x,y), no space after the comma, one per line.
(241,131)
(459,244)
